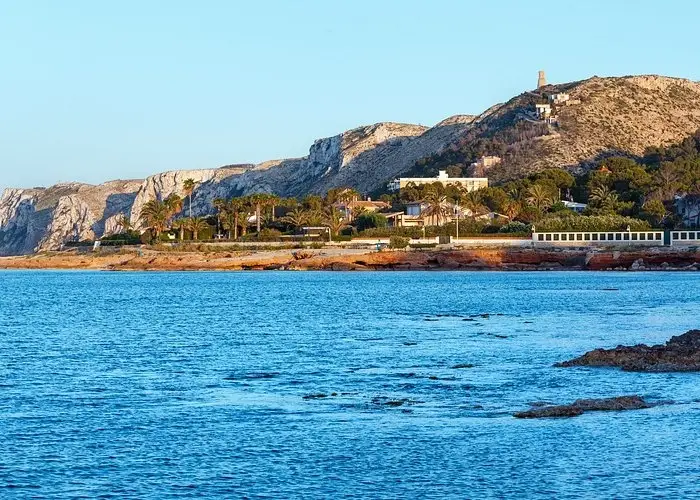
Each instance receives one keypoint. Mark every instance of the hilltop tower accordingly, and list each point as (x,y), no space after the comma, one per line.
(541,79)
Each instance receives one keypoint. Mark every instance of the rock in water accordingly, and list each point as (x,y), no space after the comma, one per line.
(581,406)
(680,354)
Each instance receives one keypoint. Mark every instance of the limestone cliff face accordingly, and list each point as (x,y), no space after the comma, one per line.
(364,158)
(44,219)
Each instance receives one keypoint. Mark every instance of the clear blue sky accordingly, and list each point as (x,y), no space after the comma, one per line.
(96,90)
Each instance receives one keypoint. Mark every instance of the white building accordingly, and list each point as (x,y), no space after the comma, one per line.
(468,183)
(559,98)
(543,111)
(576,207)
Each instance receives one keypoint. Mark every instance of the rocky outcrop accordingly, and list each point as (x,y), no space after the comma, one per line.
(680,354)
(44,219)
(581,406)
(612,117)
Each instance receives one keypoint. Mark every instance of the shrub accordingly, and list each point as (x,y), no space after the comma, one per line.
(591,223)
(265,234)
(128,238)
(383,232)
(370,220)
(491,229)
(515,227)
(398,242)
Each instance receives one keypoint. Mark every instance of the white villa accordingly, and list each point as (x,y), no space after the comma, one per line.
(468,183)
(576,207)
(415,217)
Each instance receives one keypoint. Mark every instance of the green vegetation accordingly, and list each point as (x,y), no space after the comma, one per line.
(620,193)
(398,242)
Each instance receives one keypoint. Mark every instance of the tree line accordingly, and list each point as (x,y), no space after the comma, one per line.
(642,189)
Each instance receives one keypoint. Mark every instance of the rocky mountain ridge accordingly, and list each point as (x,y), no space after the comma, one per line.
(612,116)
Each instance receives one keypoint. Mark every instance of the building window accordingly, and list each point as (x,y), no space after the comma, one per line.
(556,237)
(540,237)
(587,237)
(618,236)
(684,236)
(563,237)
(579,237)
(658,236)
(643,236)
(634,236)
(549,237)
(626,236)
(691,236)
(602,237)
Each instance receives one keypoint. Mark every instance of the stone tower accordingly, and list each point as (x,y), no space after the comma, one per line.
(541,79)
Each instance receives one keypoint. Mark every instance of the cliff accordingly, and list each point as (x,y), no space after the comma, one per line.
(41,219)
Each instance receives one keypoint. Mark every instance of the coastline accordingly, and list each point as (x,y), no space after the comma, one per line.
(336,259)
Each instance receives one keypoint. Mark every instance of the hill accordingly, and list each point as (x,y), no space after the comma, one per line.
(602,117)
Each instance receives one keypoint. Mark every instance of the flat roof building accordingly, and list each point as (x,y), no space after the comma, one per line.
(468,183)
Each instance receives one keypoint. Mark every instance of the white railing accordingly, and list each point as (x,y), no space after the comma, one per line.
(690,237)
(574,238)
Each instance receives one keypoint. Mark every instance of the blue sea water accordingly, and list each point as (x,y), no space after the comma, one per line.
(192,385)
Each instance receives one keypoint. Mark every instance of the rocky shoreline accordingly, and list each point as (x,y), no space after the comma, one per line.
(680,354)
(336,259)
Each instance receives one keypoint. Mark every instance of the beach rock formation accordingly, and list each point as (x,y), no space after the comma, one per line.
(580,406)
(680,354)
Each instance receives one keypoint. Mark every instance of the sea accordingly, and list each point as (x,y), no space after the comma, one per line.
(333,385)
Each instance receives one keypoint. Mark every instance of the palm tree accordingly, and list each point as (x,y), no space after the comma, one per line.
(241,209)
(180,225)
(229,219)
(124,223)
(188,187)
(258,200)
(539,197)
(603,197)
(512,209)
(155,215)
(297,218)
(315,217)
(174,205)
(334,220)
(472,202)
(196,224)
(436,209)
(273,201)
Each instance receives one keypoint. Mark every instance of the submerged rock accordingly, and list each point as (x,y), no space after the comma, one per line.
(315,396)
(581,406)
(680,354)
